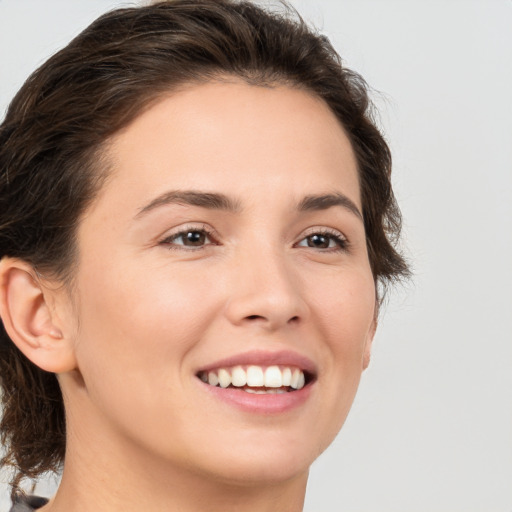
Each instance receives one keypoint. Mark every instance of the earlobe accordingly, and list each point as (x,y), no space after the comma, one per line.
(30,320)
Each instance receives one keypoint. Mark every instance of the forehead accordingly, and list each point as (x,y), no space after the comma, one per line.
(231,136)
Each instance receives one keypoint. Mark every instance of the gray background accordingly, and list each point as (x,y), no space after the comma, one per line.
(431,429)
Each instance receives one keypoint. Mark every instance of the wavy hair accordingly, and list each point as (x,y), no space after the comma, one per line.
(52,137)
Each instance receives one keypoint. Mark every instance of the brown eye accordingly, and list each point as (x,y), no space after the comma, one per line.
(330,241)
(188,238)
(318,241)
(193,238)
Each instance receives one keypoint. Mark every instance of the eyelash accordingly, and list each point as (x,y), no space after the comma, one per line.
(204,230)
(342,244)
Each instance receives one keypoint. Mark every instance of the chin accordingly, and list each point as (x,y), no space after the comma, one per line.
(262,472)
(262,461)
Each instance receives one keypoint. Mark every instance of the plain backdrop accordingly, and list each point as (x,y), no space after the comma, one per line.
(431,428)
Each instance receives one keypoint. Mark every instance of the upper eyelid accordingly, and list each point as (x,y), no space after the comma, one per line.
(181,230)
(342,241)
(323,230)
(212,233)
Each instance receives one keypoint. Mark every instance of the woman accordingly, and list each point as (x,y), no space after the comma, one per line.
(196,226)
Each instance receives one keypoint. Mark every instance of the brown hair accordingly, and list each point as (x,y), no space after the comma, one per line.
(56,126)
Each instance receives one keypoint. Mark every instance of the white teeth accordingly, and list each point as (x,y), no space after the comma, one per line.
(295,378)
(271,391)
(213,380)
(274,391)
(287,377)
(238,377)
(224,378)
(302,381)
(273,377)
(255,376)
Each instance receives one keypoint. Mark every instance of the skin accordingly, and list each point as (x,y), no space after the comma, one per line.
(148,312)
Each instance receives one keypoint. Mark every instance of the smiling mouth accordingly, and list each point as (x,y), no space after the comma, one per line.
(257,379)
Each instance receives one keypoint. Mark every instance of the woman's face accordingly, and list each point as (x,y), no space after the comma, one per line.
(227,245)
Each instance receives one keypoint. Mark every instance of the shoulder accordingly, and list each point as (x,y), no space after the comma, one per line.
(28,503)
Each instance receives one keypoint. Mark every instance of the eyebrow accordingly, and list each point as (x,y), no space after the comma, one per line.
(217,201)
(326,201)
(210,200)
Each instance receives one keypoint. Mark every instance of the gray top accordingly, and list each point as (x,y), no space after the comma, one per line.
(28,503)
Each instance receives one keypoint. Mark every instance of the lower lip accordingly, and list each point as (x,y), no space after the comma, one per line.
(260,403)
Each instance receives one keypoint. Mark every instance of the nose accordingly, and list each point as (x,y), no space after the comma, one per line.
(266,291)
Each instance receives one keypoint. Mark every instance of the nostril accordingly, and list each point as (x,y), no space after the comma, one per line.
(293,319)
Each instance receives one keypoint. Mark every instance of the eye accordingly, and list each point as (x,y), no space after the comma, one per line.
(193,238)
(325,240)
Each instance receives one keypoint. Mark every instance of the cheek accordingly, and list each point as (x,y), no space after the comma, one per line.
(155,304)
(135,333)
(345,313)
(346,305)
(138,323)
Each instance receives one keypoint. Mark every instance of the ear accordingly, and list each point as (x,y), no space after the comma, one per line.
(27,309)
(369,340)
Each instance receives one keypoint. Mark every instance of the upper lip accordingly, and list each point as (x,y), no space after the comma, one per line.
(265,358)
